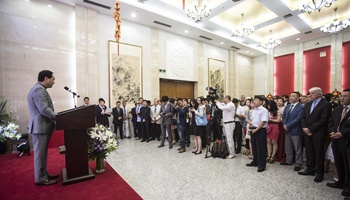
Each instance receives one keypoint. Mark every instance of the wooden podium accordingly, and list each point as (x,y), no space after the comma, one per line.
(75,123)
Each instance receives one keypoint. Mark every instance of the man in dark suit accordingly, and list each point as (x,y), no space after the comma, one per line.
(314,122)
(291,121)
(134,120)
(166,111)
(101,114)
(41,125)
(118,120)
(339,128)
(145,114)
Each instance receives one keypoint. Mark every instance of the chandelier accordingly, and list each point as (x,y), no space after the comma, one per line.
(243,30)
(271,43)
(336,26)
(316,5)
(198,11)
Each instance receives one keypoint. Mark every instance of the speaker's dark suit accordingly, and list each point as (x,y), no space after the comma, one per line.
(134,121)
(339,145)
(316,122)
(145,114)
(118,123)
(102,119)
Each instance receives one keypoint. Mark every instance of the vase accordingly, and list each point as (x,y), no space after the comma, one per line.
(100,164)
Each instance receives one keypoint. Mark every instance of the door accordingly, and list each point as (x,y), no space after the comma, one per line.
(176,89)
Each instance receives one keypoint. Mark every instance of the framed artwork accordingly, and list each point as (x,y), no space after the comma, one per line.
(216,76)
(125,72)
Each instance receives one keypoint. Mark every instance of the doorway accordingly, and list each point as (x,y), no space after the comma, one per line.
(175,89)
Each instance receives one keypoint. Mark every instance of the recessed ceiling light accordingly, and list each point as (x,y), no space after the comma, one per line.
(50,6)
(247,51)
(186,31)
(26,0)
(34,27)
(221,42)
(298,38)
(133,15)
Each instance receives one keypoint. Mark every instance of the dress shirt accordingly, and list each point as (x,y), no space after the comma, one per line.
(260,114)
(228,111)
(138,111)
(314,104)
(239,111)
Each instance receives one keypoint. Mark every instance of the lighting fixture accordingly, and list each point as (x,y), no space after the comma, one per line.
(298,39)
(198,11)
(50,6)
(221,42)
(186,31)
(270,43)
(336,25)
(133,15)
(316,5)
(243,30)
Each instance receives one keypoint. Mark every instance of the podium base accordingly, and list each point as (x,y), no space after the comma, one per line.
(66,181)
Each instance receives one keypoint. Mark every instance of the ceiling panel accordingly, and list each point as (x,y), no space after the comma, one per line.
(188,3)
(295,4)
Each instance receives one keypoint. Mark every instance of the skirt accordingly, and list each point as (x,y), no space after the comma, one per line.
(273,131)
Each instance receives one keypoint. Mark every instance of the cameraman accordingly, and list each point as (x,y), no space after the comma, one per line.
(228,112)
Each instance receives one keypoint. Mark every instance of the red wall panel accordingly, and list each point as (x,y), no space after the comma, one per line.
(346,66)
(317,69)
(284,74)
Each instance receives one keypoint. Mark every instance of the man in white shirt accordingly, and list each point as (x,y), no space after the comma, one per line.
(260,117)
(126,120)
(155,120)
(239,120)
(228,116)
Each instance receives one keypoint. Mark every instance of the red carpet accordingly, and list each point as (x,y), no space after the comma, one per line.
(17,181)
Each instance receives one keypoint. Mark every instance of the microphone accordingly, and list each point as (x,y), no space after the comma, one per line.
(71,91)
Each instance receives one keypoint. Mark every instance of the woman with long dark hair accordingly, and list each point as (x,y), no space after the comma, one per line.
(273,131)
(197,109)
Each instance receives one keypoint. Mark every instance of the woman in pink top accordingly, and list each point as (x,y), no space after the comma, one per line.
(273,131)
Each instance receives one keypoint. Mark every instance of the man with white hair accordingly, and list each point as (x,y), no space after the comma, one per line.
(314,122)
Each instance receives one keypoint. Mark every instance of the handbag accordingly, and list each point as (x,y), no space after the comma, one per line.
(201,121)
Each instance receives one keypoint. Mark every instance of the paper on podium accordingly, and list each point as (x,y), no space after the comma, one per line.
(108,110)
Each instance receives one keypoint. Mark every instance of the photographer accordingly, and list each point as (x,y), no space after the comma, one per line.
(197,108)
(228,112)
(181,113)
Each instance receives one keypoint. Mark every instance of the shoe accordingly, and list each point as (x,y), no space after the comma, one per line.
(296,168)
(182,150)
(151,139)
(51,177)
(187,145)
(238,152)
(128,137)
(272,160)
(158,139)
(261,170)
(194,151)
(47,182)
(285,163)
(307,172)
(251,165)
(122,138)
(170,146)
(147,141)
(143,140)
(334,185)
(230,156)
(318,178)
(179,148)
(345,193)
(198,153)
(160,146)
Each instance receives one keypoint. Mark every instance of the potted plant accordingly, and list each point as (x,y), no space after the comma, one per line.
(8,128)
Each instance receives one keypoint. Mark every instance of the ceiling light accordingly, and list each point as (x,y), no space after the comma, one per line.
(198,11)
(34,27)
(298,39)
(252,53)
(221,42)
(133,15)
(242,30)
(26,0)
(186,31)
(270,43)
(316,5)
(50,6)
(336,26)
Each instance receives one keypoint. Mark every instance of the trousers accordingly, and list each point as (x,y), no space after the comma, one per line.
(40,143)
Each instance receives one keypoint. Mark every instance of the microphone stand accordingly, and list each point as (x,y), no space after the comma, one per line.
(74,101)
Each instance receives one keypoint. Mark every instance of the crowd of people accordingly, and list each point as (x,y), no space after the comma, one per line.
(316,122)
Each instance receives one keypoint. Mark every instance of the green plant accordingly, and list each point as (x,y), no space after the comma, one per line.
(5,117)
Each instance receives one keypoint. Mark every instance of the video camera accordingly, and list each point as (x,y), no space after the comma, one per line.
(212,94)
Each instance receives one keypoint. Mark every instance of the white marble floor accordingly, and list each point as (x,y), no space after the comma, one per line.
(165,174)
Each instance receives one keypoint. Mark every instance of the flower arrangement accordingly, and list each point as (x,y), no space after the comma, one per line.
(8,129)
(101,142)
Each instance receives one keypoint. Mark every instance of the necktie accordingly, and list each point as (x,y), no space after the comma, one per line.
(124,111)
(313,106)
(290,110)
(155,109)
(345,111)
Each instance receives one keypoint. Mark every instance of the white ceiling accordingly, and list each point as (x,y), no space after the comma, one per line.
(264,15)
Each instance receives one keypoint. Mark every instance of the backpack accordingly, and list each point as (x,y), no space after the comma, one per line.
(219,149)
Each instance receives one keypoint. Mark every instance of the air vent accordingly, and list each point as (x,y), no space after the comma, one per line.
(308,32)
(201,36)
(162,24)
(287,15)
(97,4)
(233,47)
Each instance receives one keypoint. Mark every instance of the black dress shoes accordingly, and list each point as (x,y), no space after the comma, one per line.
(160,146)
(261,169)
(334,185)
(187,145)
(307,172)
(147,140)
(198,153)
(47,182)
(318,178)
(296,168)
(345,193)
(143,140)
(170,146)
(51,177)
(251,165)
(128,137)
(285,163)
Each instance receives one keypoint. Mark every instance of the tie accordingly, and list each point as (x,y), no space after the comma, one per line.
(313,106)
(166,105)
(124,113)
(290,110)
(345,111)
(155,109)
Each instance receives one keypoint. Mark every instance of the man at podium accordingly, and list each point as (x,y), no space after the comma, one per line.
(41,125)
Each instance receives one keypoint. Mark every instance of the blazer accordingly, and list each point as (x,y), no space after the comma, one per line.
(134,115)
(344,127)
(102,119)
(41,112)
(293,120)
(145,114)
(167,114)
(181,116)
(117,114)
(156,114)
(317,121)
